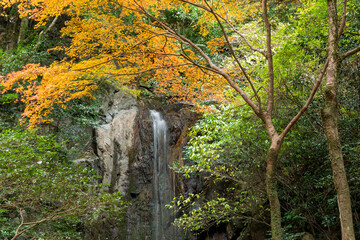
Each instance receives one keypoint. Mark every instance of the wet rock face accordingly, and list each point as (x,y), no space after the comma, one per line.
(141,164)
(115,138)
(141,216)
(114,142)
(124,146)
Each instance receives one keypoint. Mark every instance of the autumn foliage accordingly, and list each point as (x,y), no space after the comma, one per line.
(131,43)
(121,41)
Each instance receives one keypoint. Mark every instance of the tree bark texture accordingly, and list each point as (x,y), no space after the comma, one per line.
(330,121)
(271,188)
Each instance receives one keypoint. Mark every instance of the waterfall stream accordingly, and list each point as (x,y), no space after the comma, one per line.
(163,193)
(160,164)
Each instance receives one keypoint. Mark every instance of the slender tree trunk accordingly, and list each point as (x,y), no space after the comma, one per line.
(23,28)
(271,187)
(337,164)
(330,118)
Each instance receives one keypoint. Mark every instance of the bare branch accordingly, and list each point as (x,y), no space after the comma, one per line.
(350,53)
(151,69)
(262,87)
(195,63)
(343,19)
(21,224)
(155,35)
(234,55)
(45,31)
(147,52)
(196,5)
(306,105)
(262,52)
(58,215)
(122,55)
(269,58)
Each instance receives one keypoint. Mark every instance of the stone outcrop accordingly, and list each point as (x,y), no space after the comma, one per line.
(123,145)
(114,141)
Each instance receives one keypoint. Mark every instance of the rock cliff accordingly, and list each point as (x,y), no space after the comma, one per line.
(124,148)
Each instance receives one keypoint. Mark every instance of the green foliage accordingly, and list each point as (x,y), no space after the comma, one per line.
(350,38)
(184,22)
(311,28)
(305,183)
(9,112)
(73,124)
(349,126)
(223,150)
(212,212)
(82,112)
(14,60)
(8,97)
(209,145)
(227,149)
(37,180)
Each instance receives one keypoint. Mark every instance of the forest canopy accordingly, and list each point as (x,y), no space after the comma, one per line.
(281,60)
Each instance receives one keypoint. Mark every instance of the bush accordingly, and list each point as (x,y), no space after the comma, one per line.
(43,194)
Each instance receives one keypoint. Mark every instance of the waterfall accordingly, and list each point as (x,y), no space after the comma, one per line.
(162,228)
(160,142)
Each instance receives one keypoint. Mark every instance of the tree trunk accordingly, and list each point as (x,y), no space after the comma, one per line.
(22,31)
(330,118)
(337,164)
(271,188)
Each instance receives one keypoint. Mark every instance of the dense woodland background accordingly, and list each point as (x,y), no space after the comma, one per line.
(248,67)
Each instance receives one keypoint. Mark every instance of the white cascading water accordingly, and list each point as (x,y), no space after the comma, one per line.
(163,184)
(160,179)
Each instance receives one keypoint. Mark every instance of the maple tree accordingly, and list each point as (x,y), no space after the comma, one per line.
(126,40)
(120,50)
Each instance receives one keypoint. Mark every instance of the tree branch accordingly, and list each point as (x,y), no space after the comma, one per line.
(151,69)
(262,52)
(208,60)
(307,103)
(350,53)
(270,60)
(125,54)
(195,63)
(43,32)
(234,55)
(21,224)
(53,217)
(343,19)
